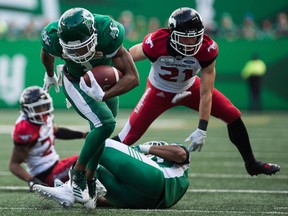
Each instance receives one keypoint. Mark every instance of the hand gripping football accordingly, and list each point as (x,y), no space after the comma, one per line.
(106,76)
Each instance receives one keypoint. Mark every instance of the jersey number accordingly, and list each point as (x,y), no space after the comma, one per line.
(174,73)
(47,142)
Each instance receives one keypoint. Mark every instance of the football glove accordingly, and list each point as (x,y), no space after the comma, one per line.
(180,96)
(33,181)
(49,81)
(95,91)
(59,69)
(197,139)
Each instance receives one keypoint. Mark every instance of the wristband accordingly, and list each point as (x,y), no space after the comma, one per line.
(144,148)
(203,124)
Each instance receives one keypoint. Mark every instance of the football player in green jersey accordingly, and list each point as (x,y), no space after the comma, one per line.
(157,178)
(85,40)
(148,176)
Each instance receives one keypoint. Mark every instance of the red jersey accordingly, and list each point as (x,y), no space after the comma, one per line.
(170,71)
(42,154)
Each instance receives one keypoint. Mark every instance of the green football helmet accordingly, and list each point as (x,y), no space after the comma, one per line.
(77,34)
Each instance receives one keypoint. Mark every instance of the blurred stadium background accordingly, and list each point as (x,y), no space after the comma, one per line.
(240,29)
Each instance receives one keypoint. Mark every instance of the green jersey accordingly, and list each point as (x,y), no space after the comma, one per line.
(176,180)
(110,36)
(146,181)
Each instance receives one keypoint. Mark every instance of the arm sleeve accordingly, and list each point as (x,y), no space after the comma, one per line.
(65,133)
(50,40)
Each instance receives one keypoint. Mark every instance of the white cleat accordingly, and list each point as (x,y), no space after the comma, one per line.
(91,203)
(79,186)
(62,194)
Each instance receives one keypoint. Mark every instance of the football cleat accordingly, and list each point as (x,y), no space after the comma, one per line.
(79,185)
(92,187)
(262,168)
(91,203)
(62,194)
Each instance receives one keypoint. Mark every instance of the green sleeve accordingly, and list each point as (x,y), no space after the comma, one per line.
(50,40)
(110,34)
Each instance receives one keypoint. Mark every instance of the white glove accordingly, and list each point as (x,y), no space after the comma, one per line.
(180,96)
(197,139)
(59,69)
(95,91)
(49,81)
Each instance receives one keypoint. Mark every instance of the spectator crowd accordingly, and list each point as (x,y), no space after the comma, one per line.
(137,26)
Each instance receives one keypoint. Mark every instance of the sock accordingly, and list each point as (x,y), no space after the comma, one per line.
(239,137)
(116,138)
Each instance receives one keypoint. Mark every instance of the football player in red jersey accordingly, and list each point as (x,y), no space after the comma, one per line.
(34,138)
(178,53)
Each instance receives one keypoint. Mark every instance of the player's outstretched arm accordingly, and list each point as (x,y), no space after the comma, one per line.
(66,133)
(174,153)
(137,53)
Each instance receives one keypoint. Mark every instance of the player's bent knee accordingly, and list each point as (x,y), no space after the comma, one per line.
(109,128)
(230,115)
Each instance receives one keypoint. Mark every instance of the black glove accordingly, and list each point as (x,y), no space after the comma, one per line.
(34,181)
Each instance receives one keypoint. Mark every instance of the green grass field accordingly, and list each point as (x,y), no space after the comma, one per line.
(219,184)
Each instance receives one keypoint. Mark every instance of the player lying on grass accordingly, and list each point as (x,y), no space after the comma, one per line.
(34,138)
(149,176)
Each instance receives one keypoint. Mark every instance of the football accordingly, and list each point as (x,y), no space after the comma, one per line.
(106,76)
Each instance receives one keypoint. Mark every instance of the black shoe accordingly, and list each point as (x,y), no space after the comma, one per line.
(262,168)
(92,187)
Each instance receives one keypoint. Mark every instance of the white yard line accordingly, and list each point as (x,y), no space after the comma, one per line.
(159,124)
(230,176)
(237,191)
